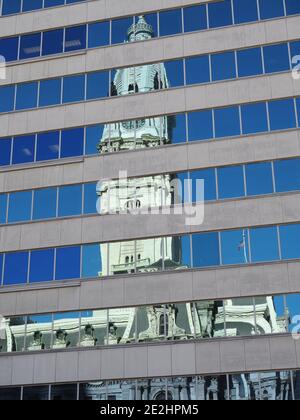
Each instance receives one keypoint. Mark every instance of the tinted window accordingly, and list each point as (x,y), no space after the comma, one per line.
(234,245)
(44,204)
(223,66)
(197,70)
(9,48)
(10,7)
(287,175)
(53,42)
(205,249)
(220,14)
(271,8)
(72,142)
(27,95)
(264,244)
(67,263)
(75,38)
(15,268)
(47,146)
(91,261)
(119,30)
(292,7)
(200,125)
(93,137)
(170,22)
(90,198)
(5,151)
(23,149)
(30,46)
(98,34)
(73,88)
(195,18)
(259,178)
(7,98)
(227,122)
(70,200)
(289,238)
(276,58)
(254,118)
(19,206)
(3,207)
(50,92)
(178,131)
(245,11)
(41,265)
(208,175)
(174,70)
(249,62)
(231,182)
(282,114)
(97,85)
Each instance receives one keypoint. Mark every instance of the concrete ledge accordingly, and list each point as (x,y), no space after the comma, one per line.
(156,288)
(219,356)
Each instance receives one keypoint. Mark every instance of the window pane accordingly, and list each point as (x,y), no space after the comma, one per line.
(41,265)
(3,207)
(10,7)
(67,263)
(197,70)
(223,66)
(97,85)
(72,142)
(287,175)
(220,14)
(19,208)
(27,95)
(70,200)
(8,393)
(44,203)
(259,178)
(249,62)
(235,247)
(90,198)
(67,392)
(289,238)
(50,92)
(271,8)
(9,48)
(66,330)
(35,393)
(174,70)
(282,114)
(23,149)
(98,34)
(170,22)
(53,42)
(75,38)
(5,151)
(231,182)
(205,249)
(208,175)
(7,98)
(177,128)
(254,118)
(29,5)
(91,261)
(276,58)
(15,268)
(292,7)
(200,125)
(245,11)
(93,137)
(227,122)
(119,30)
(195,18)
(73,88)
(264,244)
(30,46)
(47,146)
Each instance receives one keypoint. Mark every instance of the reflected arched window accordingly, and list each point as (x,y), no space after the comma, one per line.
(162,325)
(127,260)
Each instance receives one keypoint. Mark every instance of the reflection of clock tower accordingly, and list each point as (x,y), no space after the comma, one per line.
(150,191)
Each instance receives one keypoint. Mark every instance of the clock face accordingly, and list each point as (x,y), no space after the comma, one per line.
(131,125)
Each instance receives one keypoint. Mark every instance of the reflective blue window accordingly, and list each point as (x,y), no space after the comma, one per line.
(75,38)
(7,98)
(67,263)
(50,92)
(223,66)
(245,11)
(249,62)
(287,175)
(119,29)
(276,58)
(197,70)
(15,268)
(289,239)
(90,199)
(44,203)
(19,208)
(91,261)
(53,42)
(5,151)
(227,122)
(259,178)
(231,182)
(93,137)
(27,95)
(97,85)
(220,14)
(9,48)
(282,114)
(72,142)
(170,22)
(10,7)
(73,88)
(205,249)
(264,244)
(235,247)
(3,207)
(30,46)
(254,118)
(200,125)
(208,175)
(195,18)
(98,34)
(41,265)
(295,49)
(47,146)
(70,200)
(29,5)
(178,132)
(271,8)
(23,149)
(51,3)
(174,70)
(292,7)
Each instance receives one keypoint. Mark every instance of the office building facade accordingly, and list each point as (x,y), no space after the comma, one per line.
(112,114)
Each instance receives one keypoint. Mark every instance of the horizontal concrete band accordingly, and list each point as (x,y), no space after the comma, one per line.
(151,161)
(250,212)
(155,50)
(143,105)
(222,356)
(155,288)
(90,11)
